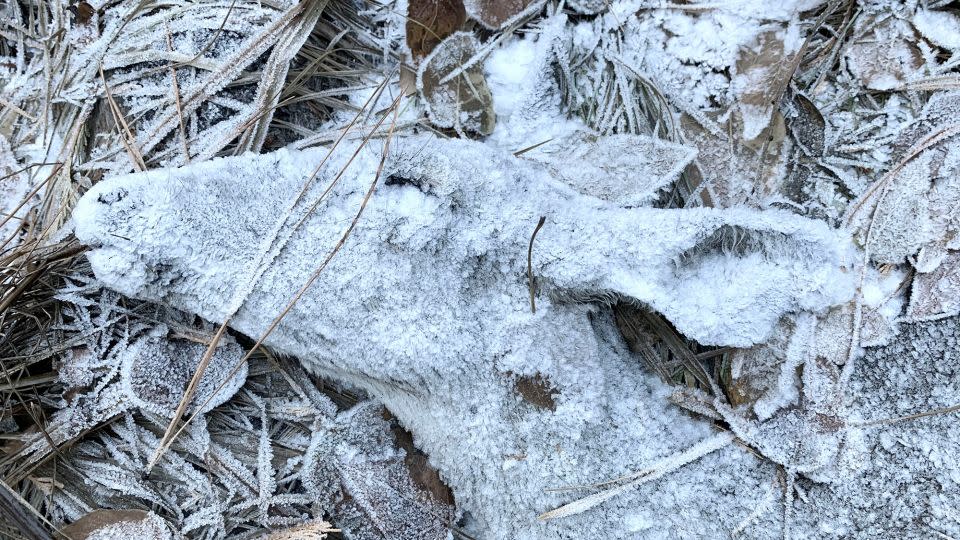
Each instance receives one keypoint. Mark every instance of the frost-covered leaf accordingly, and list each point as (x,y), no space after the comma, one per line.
(937,294)
(156,372)
(940,27)
(943,206)
(901,222)
(464,102)
(761,70)
(754,372)
(794,346)
(628,170)
(390,503)
(733,170)
(84,413)
(807,125)
(884,56)
(118,525)
(833,334)
(379,493)
(876,328)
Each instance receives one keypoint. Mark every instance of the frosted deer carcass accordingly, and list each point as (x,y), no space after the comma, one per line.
(427,306)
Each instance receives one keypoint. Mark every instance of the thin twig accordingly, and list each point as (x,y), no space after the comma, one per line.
(129,141)
(533,287)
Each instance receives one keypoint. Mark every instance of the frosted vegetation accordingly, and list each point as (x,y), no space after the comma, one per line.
(505,270)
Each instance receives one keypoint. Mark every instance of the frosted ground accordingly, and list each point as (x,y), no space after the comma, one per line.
(508,270)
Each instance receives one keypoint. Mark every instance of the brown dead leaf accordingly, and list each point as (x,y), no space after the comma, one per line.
(494,13)
(464,102)
(408,80)
(98,519)
(430,21)
(752,374)
(732,169)
(807,126)
(760,77)
(82,11)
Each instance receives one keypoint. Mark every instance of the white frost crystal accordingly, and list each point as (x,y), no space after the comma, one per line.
(427,307)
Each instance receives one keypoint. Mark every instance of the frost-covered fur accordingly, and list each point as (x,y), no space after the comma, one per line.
(427,307)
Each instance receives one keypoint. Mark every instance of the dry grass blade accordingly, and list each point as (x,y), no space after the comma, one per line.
(178,102)
(188,394)
(657,470)
(274,74)
(126,135)
(915,416)
(22,515)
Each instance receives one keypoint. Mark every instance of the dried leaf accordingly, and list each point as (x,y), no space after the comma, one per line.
(629,170)
(886,56)
(806,125)
(937,294)
(876,330)
(117,525)
(82,11)
(155,371)
(430,21)
(463,103)
(759,81)
(733,170)
(901,222)
(493,14)
(537,391)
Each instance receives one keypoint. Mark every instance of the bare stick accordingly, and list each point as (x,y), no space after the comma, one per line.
(533,287)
